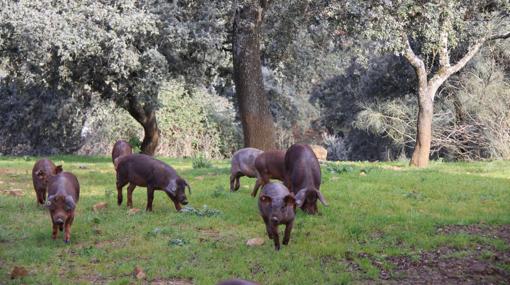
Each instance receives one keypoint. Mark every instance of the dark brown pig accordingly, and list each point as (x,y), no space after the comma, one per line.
(237,282)
(46,167)
(303,177)
(277,206)
(146,171)
(243,164)
(63,194)
(269,165)
(121,148)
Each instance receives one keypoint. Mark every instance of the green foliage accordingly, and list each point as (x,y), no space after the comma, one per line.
(382,215)
(201,161)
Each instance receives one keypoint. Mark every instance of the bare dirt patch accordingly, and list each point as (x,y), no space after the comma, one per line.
(172,281)
(481,264)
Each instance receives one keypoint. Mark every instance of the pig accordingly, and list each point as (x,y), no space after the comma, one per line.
(63,194)
(237,282)
(303,177)
(269,165)
(277,206)
(121,148)
(243,164)
(46,167)
(146,171)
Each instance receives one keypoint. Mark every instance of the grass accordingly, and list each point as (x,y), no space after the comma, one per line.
(385,211)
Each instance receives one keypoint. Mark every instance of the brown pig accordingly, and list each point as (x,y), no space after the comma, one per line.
(303,177)
(243,164)
(269,165)
(63,194)
(237,282)
(121,148)
(46,167)
(277,206)
(146,171)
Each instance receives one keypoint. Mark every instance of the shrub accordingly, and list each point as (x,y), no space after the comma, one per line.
(201,161)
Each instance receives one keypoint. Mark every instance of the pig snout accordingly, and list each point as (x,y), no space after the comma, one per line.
(184,201)
(275,219)
(59,220)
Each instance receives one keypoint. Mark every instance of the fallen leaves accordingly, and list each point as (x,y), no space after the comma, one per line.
(139,274)
(18,272)
(13,192)
(99,206)
(255,242)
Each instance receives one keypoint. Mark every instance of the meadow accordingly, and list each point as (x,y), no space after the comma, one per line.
(386,223)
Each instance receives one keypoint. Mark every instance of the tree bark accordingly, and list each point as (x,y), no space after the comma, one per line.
(146,116)
(256,118)
(421,151)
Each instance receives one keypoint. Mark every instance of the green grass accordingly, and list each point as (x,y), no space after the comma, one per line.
(383,213)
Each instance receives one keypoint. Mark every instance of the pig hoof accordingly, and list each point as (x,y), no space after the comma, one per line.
(67,241)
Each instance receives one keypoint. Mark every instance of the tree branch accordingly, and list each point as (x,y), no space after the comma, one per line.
(444,56)
(499,37)
(417,63)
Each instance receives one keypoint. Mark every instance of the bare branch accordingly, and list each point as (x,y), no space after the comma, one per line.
(444,55)
(417,63)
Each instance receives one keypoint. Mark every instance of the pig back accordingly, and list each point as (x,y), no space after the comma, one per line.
(143,170)
(243,161)
(121,148)
(64,183)
(47,166)
(302,167)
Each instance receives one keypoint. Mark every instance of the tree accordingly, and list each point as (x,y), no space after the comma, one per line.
(84,48)
(428,34)
(257,121)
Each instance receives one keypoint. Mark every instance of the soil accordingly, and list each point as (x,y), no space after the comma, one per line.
(478,264)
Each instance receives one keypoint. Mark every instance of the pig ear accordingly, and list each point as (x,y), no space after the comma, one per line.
(265,199)
(70,205)
(58,169)
(300,197)
(289,200)
(172,187)
(185,183)
(321,198)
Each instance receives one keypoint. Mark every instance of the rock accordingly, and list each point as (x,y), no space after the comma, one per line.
(99,206)
(82,166)
(139,274)
(18,272)
(13,192)
(255,242)
(133,211)
(362,173)
(319,151)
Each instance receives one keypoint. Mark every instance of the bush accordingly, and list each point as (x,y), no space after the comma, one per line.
(201,161)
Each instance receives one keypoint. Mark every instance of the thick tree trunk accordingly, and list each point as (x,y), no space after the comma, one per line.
(256,118)
(421,151)
(146,116)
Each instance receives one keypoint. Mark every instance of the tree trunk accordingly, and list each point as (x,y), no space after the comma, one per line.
(421,151)
(146,116)
(256,118)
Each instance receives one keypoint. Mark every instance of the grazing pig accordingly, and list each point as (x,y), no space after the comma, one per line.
(46,167)
(269,165)
(303,177)
(243,164)
(121,148)
(146,171)
(277,206)
(237,282)
(63,194)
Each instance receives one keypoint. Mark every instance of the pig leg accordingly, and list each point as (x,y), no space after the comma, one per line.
(67,233)
(268,228)
(288,229)
(55,231)
(130,190)
(232,180)
(276,237)
(177,206)
(238,176)
(119,191)
(256,188)
(150,198)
